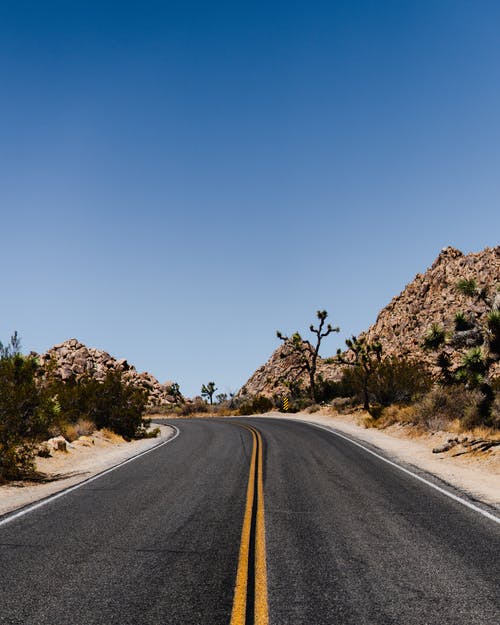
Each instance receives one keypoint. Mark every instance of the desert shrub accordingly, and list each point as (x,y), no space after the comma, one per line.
(495,411)
(341,404)
(198,405)
(395,414)
(69,432)
(73,431)
(327,390)
(72,397)
(256,405)
(87,403)
(397,380)
(445,404)
(467,287)
(462,323)
(298,404)
(84,427)
(352,383)
(116,405)
(493,325)
(313,408)
(391,380)
(434,338)
(25,415)
(473,368)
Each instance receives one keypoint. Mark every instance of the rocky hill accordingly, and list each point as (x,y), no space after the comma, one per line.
(430,298)
(74,359)
(274,377)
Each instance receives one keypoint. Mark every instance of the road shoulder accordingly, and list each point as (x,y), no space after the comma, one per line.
(76,465)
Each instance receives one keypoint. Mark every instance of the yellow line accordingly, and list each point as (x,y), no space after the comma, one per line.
(261,616)
(238,614)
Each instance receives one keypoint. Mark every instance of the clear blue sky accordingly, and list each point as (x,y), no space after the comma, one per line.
(178,180)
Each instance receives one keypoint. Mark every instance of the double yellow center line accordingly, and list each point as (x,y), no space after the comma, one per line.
(250,593)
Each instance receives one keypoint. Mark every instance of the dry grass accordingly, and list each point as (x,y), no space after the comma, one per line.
(110,436)
(73,431)
(410,416)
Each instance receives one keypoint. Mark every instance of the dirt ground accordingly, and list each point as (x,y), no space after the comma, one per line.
(84,458)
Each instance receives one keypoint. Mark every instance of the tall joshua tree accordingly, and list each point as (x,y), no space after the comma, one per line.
(208,390)
(306,352)
(364,357)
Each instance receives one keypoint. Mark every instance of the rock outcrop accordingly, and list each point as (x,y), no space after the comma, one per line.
(73,359)
(432,297)
(274,377)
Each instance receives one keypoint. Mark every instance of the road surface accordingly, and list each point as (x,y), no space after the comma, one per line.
(251,521)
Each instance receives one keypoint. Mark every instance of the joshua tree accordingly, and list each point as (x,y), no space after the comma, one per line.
(221,398)
(175,391)
(365,358)
(208,390)
(307,353)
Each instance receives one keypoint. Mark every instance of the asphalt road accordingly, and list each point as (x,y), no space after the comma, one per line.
(348,539)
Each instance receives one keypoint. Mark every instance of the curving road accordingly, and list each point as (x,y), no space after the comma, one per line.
(333,536)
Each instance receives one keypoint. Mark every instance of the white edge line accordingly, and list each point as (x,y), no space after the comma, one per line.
(464,502)
(50,498)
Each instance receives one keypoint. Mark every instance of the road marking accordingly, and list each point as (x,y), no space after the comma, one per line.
(238,614)
(66,491)
(261,605)
(253,524)
(464,502)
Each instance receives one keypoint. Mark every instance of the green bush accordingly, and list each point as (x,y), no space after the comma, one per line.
(112,403)
(398,381)
(257,405)
(328,390)
(392,380)
(33,405)
(116,405)
(25,416)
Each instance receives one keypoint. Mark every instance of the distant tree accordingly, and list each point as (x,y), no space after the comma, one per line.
(208,390)
(305,352)
(221,398)
(175,391)
(364,358)
(13,347)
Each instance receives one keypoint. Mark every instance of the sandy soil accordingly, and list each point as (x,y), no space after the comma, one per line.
(86,458)
(477,474)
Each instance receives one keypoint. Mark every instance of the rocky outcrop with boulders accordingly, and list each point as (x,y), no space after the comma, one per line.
(433,298)
(73,359)
(274,377)
(430,298)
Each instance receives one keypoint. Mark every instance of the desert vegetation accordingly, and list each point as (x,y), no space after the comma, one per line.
(459,388)
(35,404)
(306,353)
